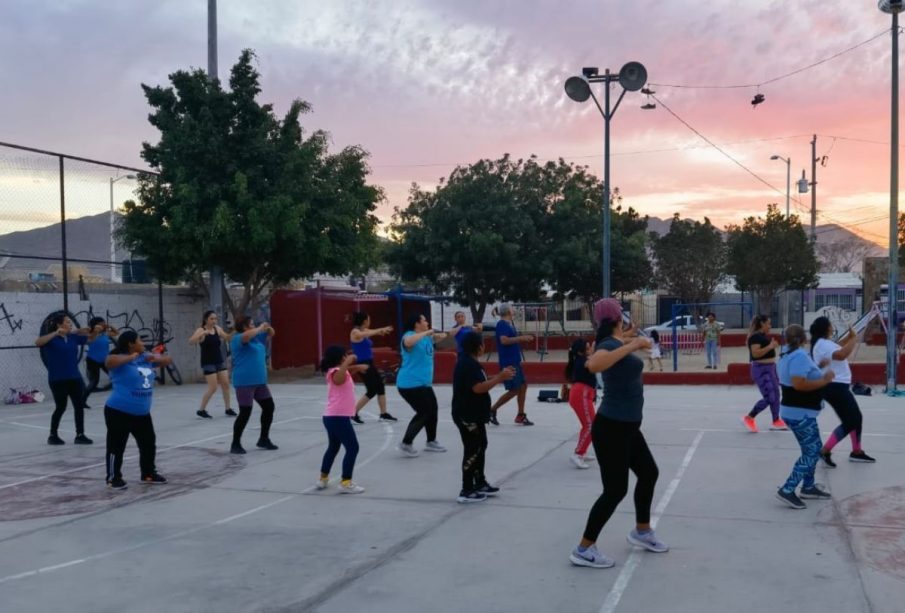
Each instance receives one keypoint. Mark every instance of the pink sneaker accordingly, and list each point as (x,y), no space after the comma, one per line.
(749,423)
(779,424)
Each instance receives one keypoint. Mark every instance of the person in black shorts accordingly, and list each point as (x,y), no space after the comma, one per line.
(210,338)
(362,346)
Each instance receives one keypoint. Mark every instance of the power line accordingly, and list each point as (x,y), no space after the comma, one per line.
(780,77)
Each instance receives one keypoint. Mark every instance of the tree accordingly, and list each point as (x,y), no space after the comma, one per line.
(691,259)
(770,254)
(240,188)
(844,255)
(477,236)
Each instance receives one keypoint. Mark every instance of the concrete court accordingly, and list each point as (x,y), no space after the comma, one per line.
(248,533)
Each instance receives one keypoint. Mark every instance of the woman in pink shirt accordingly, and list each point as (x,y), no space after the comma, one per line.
(338,367)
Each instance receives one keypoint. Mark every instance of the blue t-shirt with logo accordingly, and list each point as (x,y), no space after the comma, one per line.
(249,360)
(61,356)
(133,386)
(509,355)
(99,348)
(417,369)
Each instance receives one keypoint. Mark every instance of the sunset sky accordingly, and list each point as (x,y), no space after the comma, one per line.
(427,84)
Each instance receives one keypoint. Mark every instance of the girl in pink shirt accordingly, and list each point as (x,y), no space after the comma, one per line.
(338,366)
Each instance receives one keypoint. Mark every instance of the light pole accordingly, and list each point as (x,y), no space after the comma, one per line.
(788,162)
(631,77)
(113,228)
(893,7)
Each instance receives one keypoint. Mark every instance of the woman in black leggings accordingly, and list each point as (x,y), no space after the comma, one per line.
(617,438)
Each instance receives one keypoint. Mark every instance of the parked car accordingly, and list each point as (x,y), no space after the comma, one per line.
(683,323)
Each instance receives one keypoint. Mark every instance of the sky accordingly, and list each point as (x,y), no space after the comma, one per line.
(424,85)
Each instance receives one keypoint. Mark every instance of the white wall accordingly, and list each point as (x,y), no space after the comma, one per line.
(21,314)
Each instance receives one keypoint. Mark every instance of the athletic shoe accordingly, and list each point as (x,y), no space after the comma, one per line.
(408,451)
(203,413)
(85,406)
(860,456)
(790,499)
(265,443)
(117,484)
(779,424)
(648,540)
(154,479)
(236,448)
(387,417)
(350,488)
(749,423)
(493,419)
(81,439)
(53,439)
(357,420)
(487,489)
(466,497)
(589,457)
(434,446)
(827,458)
(322,484)
(522,419)
(590,557)
(815,492)
(231,413)
(578,461)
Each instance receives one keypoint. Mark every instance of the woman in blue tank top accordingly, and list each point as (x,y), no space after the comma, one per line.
(362,346)
(415,383)
(128,409)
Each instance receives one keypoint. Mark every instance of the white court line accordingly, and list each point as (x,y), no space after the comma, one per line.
(388,431)
(132,457)
(634,559)
(741,431)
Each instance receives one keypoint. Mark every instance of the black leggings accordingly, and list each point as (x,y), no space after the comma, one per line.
(267,408)
(93,369)
(621,447)
(424,402)
(840,397)
(119,426)
(474,441)
(373,380)
(70,389)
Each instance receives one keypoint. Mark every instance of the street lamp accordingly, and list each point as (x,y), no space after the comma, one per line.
(113,228)
(788,162)
(631,77)
(893,7)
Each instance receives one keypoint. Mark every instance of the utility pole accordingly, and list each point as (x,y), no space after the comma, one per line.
(215,281)
(814,189)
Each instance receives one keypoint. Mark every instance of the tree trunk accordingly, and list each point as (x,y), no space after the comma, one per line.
(765,301)
(477,312)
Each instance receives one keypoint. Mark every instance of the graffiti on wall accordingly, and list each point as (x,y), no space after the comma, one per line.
(9,319)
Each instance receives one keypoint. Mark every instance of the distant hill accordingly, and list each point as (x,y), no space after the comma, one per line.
(87,238)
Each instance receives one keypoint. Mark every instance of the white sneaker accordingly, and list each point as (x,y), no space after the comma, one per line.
(351,488)
(322,484)
(578,461)
(408,451)
(434,446)
(591,557)
(590,457)
(648,540)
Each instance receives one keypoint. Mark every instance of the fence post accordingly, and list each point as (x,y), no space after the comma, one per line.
(63,236)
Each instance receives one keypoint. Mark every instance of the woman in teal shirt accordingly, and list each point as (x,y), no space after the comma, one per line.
(249,351)
(415,383)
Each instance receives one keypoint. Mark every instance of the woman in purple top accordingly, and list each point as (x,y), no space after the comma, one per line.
(60,353)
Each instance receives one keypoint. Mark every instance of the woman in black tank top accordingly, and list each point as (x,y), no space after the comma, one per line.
(210,337)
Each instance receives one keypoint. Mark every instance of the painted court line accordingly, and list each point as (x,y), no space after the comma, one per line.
(634,559)
(132,457)
(743,431)
(388,431)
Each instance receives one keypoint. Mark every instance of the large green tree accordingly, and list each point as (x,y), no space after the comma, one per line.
(768,254)
(478,236)
(690,259)
(242,189)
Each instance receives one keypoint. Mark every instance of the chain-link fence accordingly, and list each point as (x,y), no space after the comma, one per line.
(58,251)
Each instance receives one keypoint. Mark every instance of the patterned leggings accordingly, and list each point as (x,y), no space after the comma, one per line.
(808,434)
(767,382)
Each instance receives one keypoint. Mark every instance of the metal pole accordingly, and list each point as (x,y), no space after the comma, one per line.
(788,184)
(893,282)
(606,187)
(216,273)
(63,236)
(112,246)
